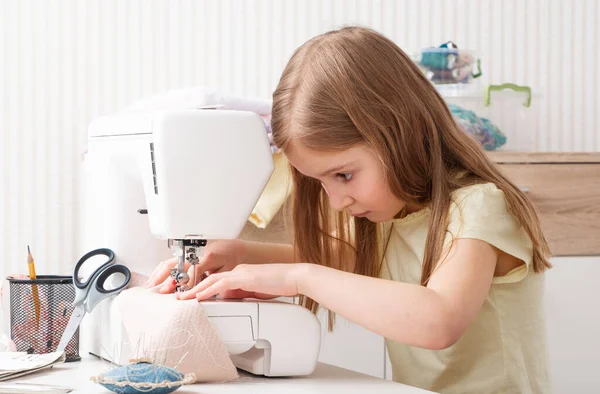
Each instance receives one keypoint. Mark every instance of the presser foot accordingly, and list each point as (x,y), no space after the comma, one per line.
(181,280)
(186,250)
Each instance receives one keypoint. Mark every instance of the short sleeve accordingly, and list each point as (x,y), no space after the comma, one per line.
(480,212)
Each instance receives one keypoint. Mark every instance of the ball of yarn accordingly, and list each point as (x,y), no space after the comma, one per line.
(485,132)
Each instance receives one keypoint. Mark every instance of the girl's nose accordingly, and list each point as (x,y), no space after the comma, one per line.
(340,203)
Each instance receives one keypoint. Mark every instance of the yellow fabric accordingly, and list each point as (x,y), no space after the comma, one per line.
(275,193)
(504,349)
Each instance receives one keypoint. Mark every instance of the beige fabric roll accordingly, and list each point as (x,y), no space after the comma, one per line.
(174,333)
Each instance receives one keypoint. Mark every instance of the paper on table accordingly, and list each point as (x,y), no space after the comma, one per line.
(18,388)
(14,364)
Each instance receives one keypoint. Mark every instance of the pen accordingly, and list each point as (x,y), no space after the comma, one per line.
(34,289)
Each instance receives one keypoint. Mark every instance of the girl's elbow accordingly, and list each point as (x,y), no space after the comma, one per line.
(442,341)
(444,333)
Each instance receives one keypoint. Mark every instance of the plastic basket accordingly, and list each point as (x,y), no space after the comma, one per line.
(511,110)
(448,64)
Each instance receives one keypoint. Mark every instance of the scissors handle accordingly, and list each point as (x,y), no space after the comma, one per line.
(113,269)
(93,290)
(100,292)
(102,251)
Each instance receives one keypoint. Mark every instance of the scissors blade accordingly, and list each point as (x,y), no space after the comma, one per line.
(72,326)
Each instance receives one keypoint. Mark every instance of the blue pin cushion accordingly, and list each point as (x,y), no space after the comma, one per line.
(143,377)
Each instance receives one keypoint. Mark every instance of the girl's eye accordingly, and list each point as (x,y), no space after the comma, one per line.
(345,176)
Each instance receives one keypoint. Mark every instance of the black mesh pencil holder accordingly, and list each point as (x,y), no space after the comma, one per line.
(39,313)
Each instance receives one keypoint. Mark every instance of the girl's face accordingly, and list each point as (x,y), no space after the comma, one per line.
(353,179)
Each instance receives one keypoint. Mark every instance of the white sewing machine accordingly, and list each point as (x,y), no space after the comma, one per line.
(178,178)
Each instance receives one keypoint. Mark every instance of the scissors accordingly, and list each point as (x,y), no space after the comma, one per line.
(90,292)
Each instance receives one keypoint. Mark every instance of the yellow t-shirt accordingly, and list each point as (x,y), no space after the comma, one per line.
(504,349)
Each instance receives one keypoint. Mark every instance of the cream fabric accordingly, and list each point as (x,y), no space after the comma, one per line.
(504,349)
(274,195)
(174,333)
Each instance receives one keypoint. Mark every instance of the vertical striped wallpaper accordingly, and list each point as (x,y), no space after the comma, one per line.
(64,62)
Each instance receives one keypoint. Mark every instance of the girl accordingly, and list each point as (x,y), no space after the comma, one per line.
(402,224)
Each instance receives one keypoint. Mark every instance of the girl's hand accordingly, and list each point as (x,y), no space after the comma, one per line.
(219,256)
(259,280)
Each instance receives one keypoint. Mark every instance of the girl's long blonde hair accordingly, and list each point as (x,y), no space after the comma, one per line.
(354,86)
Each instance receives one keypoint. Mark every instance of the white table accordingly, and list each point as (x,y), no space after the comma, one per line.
(325,379)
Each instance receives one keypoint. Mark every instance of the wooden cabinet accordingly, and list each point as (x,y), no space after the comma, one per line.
(565,188)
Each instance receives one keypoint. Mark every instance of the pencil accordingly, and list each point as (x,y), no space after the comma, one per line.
(34,289)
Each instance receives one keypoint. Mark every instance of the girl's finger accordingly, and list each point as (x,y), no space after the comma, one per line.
(236,294)
(158,275)
(196,275)
(264,296)
(209,281)
(221,286)
(240,294)
(209,262)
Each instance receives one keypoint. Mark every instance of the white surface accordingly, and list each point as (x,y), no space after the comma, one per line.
(572,295)
(352,346)
(289,337)
(388,367)
(113,179)
(326,379)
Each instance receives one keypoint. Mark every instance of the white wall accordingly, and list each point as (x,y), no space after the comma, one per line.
(573,322)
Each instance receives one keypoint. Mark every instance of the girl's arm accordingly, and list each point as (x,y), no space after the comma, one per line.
(224,255)
(431,317)
(266,253)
